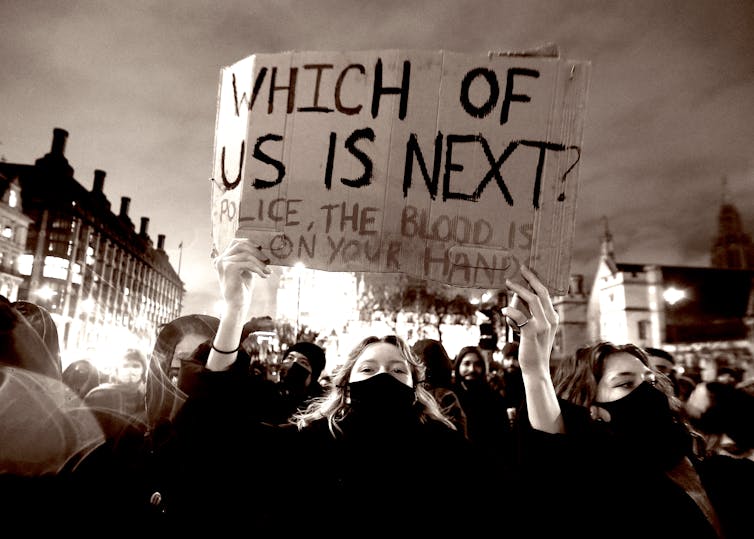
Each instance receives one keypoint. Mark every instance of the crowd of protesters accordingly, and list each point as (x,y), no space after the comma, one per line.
(612,441)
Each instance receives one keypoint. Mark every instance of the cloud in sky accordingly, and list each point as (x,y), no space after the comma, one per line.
(669,111)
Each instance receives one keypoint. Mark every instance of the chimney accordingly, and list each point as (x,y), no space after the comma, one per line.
(124,203)
(99,181)
(144,225)
(161,242)
(59,137)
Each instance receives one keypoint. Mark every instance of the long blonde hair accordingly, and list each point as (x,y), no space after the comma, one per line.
(335,405)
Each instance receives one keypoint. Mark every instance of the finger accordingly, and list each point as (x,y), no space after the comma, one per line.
(529,297)
(245,261)
(541,291)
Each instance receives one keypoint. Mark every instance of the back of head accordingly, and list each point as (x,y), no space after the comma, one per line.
(510,349)
(21,343)
(659,352)
(174,331)
(81,376)
(42,322)
(163,398)
(437,363)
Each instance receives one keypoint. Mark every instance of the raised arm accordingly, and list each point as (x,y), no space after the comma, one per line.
(236,267)
(537,337)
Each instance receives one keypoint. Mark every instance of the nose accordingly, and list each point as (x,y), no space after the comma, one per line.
(649,376)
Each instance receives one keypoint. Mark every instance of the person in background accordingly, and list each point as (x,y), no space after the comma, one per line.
(56,463)
(300,370)
(82,376)
(438,379)
(175,343)
(513,382)
(40,319)
(487,422)
(608,429)
(663,362)
(374,451)
(125,395)
(724,414)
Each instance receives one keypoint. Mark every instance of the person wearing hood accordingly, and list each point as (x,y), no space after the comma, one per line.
(301,366)
(375,450)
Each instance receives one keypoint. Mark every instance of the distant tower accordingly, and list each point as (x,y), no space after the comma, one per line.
(732,248)
(607,249)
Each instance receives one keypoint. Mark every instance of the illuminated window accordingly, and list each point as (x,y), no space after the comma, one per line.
(13,198)
(7,232)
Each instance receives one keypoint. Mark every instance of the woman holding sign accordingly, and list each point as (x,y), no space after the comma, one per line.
(376,450)
(607,428)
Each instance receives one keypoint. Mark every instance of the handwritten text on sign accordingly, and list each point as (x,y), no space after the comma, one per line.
(451,167)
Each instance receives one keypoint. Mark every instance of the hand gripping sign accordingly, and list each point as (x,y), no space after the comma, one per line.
(457,168)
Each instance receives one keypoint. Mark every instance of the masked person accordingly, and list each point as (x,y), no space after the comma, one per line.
(301,367)
(609,430)
(375,454)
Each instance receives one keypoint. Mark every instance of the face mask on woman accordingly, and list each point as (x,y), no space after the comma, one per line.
(382,395)
(644,419)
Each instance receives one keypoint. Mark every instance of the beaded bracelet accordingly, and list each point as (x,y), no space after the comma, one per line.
(225,351)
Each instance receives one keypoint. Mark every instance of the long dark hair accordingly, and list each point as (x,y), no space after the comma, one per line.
(576,377)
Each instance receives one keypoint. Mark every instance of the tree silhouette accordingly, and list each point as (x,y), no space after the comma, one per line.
(422,303)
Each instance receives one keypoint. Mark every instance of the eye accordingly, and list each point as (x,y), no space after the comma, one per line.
(400,370)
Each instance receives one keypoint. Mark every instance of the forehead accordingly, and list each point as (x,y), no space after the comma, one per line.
(622,363)
(661,361)
(380,352)
(296,356)
(131,362)
(470,357)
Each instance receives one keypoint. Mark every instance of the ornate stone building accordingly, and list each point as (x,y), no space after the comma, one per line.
(103,281)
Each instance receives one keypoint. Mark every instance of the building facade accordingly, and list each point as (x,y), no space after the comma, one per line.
(693,312)
(103,281)
(14,226)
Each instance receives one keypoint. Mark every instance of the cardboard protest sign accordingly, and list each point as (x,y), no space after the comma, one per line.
(456,168)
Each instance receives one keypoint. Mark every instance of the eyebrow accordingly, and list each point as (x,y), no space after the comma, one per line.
(623,374)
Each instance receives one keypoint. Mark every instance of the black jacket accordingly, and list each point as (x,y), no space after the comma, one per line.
(233,469)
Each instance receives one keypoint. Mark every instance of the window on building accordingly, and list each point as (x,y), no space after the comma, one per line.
(643,327)
(7,232)
(13,198)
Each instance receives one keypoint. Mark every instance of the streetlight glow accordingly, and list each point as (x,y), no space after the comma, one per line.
(673,295)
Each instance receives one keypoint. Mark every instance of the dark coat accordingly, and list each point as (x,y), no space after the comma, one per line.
(592,487)
(238,470)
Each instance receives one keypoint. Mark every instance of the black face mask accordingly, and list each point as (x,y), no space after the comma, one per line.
(644,422)
(294,377)
(382,395)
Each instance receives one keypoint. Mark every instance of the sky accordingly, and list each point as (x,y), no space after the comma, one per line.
(668,126)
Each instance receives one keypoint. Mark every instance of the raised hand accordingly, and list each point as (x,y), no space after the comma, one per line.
(537,337)
(236,267)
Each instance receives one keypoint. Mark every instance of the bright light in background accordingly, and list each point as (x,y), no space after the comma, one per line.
(673,295)
(87,306)
(474,301)
(486,297)
(45,293)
